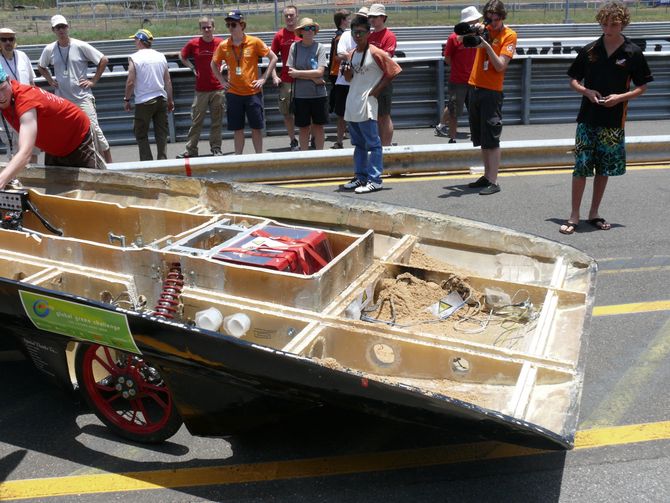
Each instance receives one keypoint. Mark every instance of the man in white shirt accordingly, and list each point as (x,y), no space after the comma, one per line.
(149,80)
(70,58)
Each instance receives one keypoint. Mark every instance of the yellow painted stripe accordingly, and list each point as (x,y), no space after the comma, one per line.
(635,307)
(658,268)
(315,467)
(443,176)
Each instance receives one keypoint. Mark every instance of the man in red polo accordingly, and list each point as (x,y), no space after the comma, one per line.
(48,122)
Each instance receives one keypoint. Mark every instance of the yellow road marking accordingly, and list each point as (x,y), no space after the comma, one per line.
(632,308)
(658,268)
(316,467)
(426,178)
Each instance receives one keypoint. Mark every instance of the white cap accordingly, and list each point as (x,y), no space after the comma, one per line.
(470,14)
(377,9)
(58,19)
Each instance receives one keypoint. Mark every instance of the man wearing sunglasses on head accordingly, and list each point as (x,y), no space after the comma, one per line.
(19,68)
(495,50)
(244,90)
(208,90)
(70,58)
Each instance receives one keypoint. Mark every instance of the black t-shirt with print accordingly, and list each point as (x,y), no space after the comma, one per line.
(608,75)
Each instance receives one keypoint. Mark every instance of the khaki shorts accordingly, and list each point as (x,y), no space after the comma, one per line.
(284,98)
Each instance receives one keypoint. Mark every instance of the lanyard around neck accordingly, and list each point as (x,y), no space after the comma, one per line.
(67,54)
(14,71)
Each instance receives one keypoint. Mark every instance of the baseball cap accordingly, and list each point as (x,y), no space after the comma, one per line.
(58,19)
(377,9)
(3,75)
(143,35)
(235,15)
(470,14)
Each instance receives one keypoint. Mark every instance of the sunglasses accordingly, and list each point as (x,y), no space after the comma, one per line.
(7,39)
(309,28)
(360,33)
(207,28)
(231,25)
(60,26)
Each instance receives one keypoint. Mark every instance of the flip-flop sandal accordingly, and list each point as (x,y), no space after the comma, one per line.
(568,227)
(600,223)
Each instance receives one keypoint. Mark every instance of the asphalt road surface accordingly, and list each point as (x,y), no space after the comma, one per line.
(53,449)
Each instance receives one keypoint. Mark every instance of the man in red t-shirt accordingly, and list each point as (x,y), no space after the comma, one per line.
(281,45)
(385,39)
(460,59)
(208,90)
(48,122)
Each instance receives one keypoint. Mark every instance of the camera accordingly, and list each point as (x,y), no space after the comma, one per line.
(472,33)
(344,66)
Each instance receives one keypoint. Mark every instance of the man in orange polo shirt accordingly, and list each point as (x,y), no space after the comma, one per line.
(49,122)
(244,90)
(495,51)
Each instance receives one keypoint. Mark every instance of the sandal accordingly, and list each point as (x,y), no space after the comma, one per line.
(600,223)
(568,227)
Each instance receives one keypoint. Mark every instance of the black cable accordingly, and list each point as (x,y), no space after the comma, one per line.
(31,207)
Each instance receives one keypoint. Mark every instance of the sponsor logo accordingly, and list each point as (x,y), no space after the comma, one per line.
(41,308)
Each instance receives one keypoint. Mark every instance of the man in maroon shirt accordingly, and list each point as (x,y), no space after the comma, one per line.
(281,45)
(56,126)
(208,89)
(385,39)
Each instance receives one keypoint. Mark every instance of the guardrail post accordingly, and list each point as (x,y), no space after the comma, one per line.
(171,128)
(526,90)
(440,90)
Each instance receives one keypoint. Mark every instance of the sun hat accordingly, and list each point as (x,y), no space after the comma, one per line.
(144,35)
(235,15)
(363,11)
(7,31)
(377,9)
(470,14)
(58,19)
(307,21)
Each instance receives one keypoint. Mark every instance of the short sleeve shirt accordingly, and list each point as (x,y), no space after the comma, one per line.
(461,59)
(201,52)
(281,46)
(245,57)
(608,75)
(61,125)
(483,73)
(344,46)
(70,66)
(308,58)
(19,68)
(384,39)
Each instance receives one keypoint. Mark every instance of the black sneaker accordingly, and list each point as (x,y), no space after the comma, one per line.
(491,188)
(216,151)
(294,145)
(442,131)
(452,140)
(482,181)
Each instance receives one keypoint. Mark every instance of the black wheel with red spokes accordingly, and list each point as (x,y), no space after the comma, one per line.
(126,393)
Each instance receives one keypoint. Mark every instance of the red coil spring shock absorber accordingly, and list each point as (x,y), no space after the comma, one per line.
(172,287)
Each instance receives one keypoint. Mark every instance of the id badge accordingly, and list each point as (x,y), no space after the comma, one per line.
(238,70)
(66,73)
(486,65)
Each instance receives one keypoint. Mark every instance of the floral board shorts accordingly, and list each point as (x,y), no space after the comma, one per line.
(599,149)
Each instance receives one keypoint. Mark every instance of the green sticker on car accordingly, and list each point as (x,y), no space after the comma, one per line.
(88,323)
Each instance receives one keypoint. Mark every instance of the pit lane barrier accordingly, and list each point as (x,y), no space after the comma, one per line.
(398,160)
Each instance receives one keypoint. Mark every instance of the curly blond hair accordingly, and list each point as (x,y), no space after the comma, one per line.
(613,12)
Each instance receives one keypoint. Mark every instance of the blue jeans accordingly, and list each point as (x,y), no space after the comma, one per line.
(368,160)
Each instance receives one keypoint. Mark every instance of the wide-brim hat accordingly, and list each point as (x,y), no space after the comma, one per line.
(7,31)
(377,9)
(144,35)
(470,14)
(363,11)
(307,21)
(58,19)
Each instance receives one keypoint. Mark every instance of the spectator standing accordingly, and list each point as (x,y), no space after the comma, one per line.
(281,45)
(54,124)
(307,63)
(606,68)
(385,39)
(149,80)
(208,90)
(486,96)
(340,86)
(70,58)
(460,59)
(20,69)
(369,70)
(244,90)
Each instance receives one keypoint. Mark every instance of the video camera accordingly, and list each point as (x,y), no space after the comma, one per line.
(472,33)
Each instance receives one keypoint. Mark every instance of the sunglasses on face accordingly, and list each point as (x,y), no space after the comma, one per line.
(289,15)
(309,28)
(207,28)
(7,39)
(60,26)
(231,25)
(359,33)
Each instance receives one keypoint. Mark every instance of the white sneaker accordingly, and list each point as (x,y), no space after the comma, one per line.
(368,187)
(354,183)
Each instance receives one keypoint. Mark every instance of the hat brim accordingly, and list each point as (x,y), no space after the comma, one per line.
(473,17)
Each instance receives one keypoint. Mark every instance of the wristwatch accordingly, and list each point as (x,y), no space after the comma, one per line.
(126,99)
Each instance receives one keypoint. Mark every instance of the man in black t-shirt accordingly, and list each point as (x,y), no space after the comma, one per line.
(602,73)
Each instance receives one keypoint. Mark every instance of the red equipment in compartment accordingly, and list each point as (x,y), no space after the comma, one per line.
(288,249)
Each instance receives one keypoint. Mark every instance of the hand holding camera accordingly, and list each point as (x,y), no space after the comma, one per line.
(472,33)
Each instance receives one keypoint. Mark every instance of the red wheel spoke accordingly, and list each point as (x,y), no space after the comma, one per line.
(158,400)
(116,396)
(104,387)
(109,368)
(138,405)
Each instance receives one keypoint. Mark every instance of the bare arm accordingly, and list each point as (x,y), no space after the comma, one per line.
(44,72)
(188,64)
(168,89)
(130,85)
(27,136)
(102,64)
(499,63)
(268,71)
(216,70)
